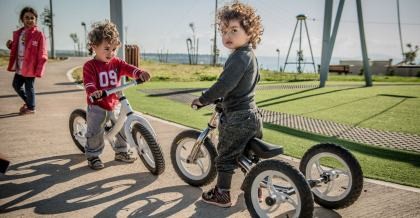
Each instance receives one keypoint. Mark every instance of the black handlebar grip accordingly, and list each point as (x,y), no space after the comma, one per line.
(139,81)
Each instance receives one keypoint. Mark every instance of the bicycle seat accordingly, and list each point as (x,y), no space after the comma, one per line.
(263,149)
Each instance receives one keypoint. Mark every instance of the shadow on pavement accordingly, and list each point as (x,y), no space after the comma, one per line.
(2,116)
(54,170)
(94,193)
(162,202)
(46,93)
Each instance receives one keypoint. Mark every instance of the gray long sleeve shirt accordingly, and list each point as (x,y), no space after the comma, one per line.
(236,83)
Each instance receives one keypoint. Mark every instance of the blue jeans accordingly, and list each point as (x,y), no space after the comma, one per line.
(27,93)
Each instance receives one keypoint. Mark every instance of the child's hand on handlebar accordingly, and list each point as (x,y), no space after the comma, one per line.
(144,76)
(196,104)
(96,94)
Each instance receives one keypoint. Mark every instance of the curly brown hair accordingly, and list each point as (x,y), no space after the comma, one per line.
(247,17)
(101,31)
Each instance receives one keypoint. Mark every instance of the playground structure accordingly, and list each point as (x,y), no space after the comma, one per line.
(301,18)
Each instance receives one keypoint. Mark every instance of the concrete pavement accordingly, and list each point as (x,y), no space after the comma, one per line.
(49,176)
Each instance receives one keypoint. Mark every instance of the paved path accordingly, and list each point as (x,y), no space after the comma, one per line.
(388,139)
(49,177)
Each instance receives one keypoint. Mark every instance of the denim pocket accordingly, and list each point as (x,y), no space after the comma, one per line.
(240,118)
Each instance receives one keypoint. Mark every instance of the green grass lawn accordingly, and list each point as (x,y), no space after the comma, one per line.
(392,107)
(396,166)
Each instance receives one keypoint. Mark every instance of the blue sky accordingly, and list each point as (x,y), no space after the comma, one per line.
(164,24)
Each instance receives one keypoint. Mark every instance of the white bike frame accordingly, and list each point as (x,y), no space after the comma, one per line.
(127,116)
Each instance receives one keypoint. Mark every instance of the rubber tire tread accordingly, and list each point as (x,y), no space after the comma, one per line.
(354,167)
(154,147)
(76,113)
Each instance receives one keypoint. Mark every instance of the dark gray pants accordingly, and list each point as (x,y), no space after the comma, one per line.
(96,120)
(235,130)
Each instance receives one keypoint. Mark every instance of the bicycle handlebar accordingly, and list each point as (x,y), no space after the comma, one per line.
(114,90)
(197,107)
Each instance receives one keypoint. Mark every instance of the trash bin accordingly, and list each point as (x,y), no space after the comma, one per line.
(132,53)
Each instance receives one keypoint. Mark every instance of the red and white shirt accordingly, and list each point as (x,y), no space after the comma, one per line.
(98,75)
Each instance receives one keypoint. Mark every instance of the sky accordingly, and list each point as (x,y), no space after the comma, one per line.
(163,25)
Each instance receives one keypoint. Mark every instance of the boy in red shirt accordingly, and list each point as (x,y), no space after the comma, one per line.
(104,72)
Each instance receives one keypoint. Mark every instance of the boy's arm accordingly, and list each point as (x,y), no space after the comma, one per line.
(228,80)
(89,79)
(132,71)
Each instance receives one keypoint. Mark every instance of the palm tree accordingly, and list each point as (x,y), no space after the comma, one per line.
(75,39)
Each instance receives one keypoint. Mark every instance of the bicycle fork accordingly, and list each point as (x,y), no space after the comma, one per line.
(202,137)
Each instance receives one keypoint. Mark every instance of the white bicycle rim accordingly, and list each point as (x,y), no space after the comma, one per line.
(285,205)
(195,171)
(79,130)
(326,191)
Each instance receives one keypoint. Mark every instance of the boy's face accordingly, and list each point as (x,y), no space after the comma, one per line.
(233,35)
(105,51)
(29,20)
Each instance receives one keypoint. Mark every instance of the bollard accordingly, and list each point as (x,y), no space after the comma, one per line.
(132,53)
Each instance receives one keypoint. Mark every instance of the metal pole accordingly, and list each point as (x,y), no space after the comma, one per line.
(117,18)
(310,46)
(215,35)
(368,77)
(126,29)
(196,53)
(52,31)
(290,46)
(399,29)
(84,46)
(325,43)
(335,28)
(278,59)
(300,47)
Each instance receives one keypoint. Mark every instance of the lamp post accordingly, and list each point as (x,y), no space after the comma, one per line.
(278,59)
(84,46)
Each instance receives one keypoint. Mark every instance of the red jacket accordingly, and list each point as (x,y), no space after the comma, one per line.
(98,75)
(35,56)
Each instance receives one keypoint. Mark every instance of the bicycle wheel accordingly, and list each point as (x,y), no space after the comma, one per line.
(344,176)
(203,170)
(78,128)
(274,188)
(148,149)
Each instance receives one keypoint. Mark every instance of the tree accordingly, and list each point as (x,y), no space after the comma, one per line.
(46,19)
(75,39)
(411,55)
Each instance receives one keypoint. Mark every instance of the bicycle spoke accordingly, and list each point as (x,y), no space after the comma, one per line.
(291,201)
(329,187)
(319,168)
(200,164)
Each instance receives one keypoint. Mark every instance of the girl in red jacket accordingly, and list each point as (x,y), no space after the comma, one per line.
(28,57)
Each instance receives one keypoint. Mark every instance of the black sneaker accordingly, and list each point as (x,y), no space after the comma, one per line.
(217,197)
(124,157)
(95,163)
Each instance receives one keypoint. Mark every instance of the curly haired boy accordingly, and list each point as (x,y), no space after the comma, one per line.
(240,121)
(104,72)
